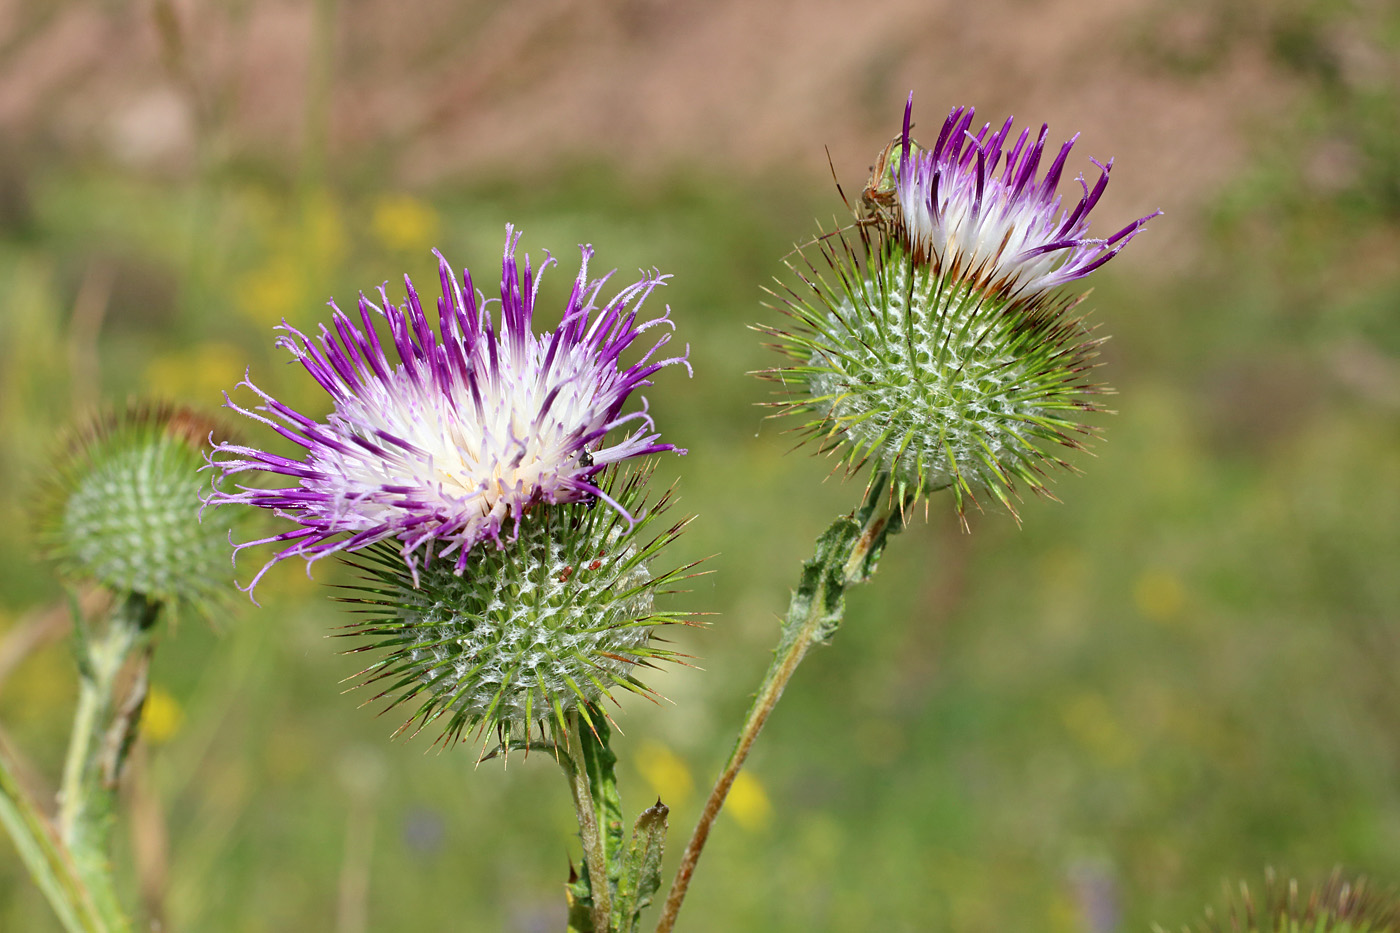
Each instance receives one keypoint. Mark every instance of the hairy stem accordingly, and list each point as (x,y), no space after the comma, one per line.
(768,695)
(589,829)
(846,554)
(103,728)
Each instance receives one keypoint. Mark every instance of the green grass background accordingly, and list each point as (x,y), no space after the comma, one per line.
(1183,672)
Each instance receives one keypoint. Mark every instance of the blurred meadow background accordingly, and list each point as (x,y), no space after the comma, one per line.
(1185,671)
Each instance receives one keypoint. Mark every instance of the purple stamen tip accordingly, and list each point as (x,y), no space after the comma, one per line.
(1006,230)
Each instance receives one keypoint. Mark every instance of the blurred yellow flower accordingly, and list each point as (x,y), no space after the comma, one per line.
(748,803)
(43,680)
(272,291)
(161,717)
(1065,915)
(322,231)
(1159,595)
(200,373)
(402,222)
(1090,721)
(304,244)
(667,774)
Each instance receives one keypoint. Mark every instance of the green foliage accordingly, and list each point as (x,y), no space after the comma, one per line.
(641,877)
(634,874)
(846,553)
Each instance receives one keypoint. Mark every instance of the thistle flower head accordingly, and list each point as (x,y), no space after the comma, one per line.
(558,617)
(122,507)
(931,341)
(452,443)
(1338,906)
(974,207)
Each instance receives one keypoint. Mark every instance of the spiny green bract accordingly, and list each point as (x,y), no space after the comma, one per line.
(553,620)
(926,375)
(123,505)
(1339,906)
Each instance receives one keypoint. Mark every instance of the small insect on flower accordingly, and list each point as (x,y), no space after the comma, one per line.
(929,337)
(470,429)
(879,199)
(121,508)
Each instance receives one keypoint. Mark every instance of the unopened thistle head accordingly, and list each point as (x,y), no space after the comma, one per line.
(122,508)
(931,341)
(1339,906)
(556,619)
(452,443)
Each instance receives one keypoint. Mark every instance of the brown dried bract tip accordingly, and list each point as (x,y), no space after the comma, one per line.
(192,427)
(180,423)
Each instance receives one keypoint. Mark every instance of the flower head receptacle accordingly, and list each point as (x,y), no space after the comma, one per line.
(557,619)
(450,445)
(894,365)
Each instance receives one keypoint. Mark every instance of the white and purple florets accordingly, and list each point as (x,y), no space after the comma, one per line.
(1003,230)
(451,444)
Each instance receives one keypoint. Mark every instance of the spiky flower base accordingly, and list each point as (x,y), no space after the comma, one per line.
(557,617)
(123,508)
(931,377)
(1339,906)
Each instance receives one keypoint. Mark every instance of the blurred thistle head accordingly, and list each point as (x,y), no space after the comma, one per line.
(468,431)
(122,507)
(929,339)
(1338,906)
(556,619)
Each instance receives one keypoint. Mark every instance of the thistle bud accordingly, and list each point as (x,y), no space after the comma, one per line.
(122,508)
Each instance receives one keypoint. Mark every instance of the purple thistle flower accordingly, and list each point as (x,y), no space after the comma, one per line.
(1003,231)
(467,431)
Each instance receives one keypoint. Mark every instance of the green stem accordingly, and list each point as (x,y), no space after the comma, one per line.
(590,831)
(97,749)
(846,554)
(73,803)
(48,861)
